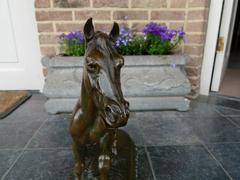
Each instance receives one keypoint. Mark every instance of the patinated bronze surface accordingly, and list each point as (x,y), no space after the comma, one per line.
(101,108)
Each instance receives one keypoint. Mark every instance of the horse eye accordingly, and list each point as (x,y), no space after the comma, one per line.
(93,67)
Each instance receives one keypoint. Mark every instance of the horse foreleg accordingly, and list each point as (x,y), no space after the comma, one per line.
(79,161)
(104,160)
(78,148)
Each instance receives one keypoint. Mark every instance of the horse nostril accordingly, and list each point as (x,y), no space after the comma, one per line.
(108,109)
(127,114)
(127,104)
(109,114)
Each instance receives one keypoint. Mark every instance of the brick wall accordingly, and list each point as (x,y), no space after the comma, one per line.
(57,16)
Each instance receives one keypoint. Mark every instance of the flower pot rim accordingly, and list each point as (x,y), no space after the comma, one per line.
(132,60)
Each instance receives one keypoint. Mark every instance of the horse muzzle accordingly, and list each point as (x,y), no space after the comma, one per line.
(116,115)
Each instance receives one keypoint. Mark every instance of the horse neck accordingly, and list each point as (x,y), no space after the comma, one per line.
(87,104)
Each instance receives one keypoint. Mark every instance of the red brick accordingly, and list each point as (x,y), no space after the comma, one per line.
(167,15)
(194,80)
(178,3)
(110,3)
(48,39)
(138,27)
(130,15)
(71,3)
(195,38)
(54,15)
(176,25)
(95,14)
(194,92)
(195,61)
(193,71)
(48,51)
(46,27)
(196,26)
(67,27)
(193,50)
(42,3)
(149,3)
(198,3)
(197,15)
(105,27)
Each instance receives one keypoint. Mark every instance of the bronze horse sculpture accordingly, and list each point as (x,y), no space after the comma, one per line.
(101,108)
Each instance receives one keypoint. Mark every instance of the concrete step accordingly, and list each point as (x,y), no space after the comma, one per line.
(66,105)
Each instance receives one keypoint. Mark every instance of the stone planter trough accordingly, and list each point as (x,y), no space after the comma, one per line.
(148,82)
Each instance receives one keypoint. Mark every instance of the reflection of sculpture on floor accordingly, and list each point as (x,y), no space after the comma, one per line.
(122,166)
(102,108)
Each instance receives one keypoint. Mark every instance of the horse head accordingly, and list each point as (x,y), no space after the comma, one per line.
(101,76)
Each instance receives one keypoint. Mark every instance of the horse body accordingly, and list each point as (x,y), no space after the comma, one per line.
(102,107)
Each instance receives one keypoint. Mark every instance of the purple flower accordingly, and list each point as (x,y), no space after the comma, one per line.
(124,36)
(117,43)
(180,32)
(164,36)
(154,28)
(162,32)
(73,36)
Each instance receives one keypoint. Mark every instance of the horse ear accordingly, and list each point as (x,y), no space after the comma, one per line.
(88,29)
(115,31)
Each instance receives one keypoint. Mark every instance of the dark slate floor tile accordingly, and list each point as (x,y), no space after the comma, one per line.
(133,129)
(196,109)
(54,133)
(211,99)
(17,134)
(229,111)
(31,110)
(217,100)
(38,97)
(7,157)
(203,110)
(215,130)
(228,103)
(184,163)
(166,131)
(229,157)
(43,165)
(144,171)
(58,164)
(236,120)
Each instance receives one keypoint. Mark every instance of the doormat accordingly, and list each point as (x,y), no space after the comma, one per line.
(10,100)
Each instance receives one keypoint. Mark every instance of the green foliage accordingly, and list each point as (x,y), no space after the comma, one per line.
(155,45)
(137,46)
(157,40)
(72,48)
(149,45)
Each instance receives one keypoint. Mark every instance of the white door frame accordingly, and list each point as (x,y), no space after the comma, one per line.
(214,20)
(226,31)
(214,62)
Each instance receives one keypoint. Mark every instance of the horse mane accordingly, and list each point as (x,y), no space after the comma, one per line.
(103,44)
